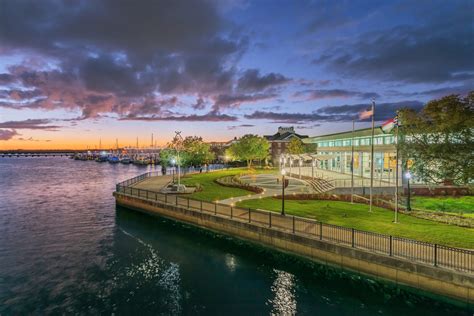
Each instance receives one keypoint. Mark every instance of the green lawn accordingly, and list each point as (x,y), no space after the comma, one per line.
(380,220)
(463,204)
(213,191)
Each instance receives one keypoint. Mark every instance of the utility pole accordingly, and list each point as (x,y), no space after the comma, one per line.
(396,170)
(352,163)
(372,156)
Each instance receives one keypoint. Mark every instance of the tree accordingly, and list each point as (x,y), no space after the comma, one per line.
(295,146)
(249,148)
(196,152)
(439,140)
(192,152)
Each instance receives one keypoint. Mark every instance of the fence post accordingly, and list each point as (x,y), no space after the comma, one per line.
(188,203)
(215,208)
(176,199)
(201,206)
(293,224)
(147,194)
(250,219)
(231,212)
(352,237)
(321,230)
(436,255)
(391,247)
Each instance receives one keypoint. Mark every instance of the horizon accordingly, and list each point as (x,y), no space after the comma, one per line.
(71,75)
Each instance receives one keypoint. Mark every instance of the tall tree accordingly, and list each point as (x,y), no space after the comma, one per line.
(196,152)
(295,146)
(192,152)
(249,148)
(439,140)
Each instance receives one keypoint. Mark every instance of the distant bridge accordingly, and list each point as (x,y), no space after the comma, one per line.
(37,153)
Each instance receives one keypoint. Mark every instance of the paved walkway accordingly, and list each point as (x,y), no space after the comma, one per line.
(271,184)
(154,184)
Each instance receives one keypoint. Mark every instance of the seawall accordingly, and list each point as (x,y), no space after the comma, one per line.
(452,284)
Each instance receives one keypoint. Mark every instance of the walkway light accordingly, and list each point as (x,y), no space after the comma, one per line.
(408,177)
(283,184)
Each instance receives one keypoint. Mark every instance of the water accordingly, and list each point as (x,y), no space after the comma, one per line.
(65,249)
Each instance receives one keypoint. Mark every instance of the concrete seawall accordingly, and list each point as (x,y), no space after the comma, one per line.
(452,284)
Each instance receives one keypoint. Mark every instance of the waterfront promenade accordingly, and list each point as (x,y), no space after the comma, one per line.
(388,254)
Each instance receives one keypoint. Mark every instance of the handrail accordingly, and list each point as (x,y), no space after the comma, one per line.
(405,248)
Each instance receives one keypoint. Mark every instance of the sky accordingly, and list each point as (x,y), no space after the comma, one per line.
(76,73)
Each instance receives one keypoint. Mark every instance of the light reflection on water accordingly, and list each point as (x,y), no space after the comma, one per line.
(284,302)
(64,249)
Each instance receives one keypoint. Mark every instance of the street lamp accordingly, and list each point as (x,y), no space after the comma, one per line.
(283,172)
(408,177)
(173,162)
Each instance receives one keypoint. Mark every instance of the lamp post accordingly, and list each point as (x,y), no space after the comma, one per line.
(300,164)
(173,162)
(283,172)
(408,177)
(291,162)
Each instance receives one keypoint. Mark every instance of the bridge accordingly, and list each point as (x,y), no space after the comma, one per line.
(38,153)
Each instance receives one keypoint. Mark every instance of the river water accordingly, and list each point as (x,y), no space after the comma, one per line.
(66,249)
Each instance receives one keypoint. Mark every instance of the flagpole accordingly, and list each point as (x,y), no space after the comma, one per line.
(372,157)
(352,163)
(396,173)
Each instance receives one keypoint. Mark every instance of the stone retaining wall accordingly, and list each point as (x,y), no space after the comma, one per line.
(455,285)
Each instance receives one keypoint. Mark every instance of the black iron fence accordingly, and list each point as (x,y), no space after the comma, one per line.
(409,249)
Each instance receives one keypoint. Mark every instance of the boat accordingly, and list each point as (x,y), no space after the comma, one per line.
(102,158)
(125,160)
(114,159)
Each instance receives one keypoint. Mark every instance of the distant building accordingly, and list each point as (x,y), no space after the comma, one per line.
(279,141)
(218,148)
(336,149)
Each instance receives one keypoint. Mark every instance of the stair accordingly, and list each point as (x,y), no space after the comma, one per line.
(320,185)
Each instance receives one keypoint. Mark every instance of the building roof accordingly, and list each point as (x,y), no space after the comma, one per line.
(284,136)
(363,132)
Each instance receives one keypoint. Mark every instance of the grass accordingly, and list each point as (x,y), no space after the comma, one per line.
(211,191)
(456,205)
(380,220)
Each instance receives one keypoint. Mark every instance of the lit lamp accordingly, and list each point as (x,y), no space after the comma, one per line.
(283,172)
(408,177)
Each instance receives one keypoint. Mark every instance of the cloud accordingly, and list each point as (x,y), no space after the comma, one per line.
(36,124)
(7,134)
(308,95)
(234,127)
(209,117)
(200,104)
(383,111)
(252,81)
(439,48)
(235,100)
(339,113)
(93,62)
(31,139)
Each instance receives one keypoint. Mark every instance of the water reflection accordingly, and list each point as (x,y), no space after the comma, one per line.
(230,262)
(284,302)
(153,269)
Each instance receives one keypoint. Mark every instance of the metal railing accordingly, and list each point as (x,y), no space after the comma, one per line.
(408,249)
